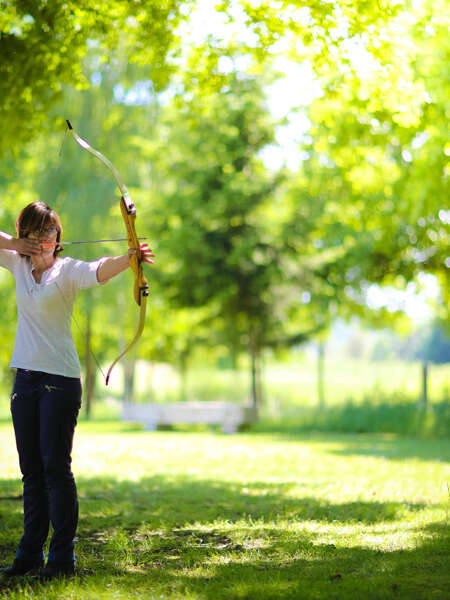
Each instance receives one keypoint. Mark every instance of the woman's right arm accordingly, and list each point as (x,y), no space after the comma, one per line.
(21,245)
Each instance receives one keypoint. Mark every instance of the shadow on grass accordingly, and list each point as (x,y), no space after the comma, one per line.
(178,500)
(177,537)
(167,501)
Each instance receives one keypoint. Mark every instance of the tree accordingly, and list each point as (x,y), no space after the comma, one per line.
(43,45)
(215,234)
(378,146)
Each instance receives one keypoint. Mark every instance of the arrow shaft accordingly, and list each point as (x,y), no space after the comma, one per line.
(51,244)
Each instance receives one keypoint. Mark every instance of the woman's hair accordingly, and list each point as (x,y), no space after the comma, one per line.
(36,217)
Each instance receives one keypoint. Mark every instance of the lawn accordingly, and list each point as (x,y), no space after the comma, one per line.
(202,515)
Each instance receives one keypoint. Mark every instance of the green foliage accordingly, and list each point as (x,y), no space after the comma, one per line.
(318,31)
(214,231)
(7,330)
(43,44)
(377,152)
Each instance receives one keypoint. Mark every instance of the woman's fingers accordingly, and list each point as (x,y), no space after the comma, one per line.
(145,248)
(146,253)
(28,246)
(146,258)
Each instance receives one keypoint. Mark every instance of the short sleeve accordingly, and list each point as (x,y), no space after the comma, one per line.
(9,259)
(84,274)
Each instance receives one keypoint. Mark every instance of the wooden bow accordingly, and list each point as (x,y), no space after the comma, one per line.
(128,211)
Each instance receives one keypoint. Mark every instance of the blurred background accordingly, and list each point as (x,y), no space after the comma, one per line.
(289,165)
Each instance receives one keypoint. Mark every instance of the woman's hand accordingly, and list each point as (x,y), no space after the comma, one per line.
(146,254)
(27,246)
(112,266)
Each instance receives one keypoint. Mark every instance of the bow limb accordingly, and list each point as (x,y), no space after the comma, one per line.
(135,339)
(140,282)
(86,146)
(128,211)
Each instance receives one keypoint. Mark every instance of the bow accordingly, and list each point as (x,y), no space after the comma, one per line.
(128,211)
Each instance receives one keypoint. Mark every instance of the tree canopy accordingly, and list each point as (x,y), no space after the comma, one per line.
(43,44)
(253,256)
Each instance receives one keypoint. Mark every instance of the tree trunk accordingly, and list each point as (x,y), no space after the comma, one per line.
(256,382)
(259,385)
(253,380)
(183,366)
(423,404)
(320,375)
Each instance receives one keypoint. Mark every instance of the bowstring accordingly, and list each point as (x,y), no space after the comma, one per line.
(97,362)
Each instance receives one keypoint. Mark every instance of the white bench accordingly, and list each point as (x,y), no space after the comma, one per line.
(227,414)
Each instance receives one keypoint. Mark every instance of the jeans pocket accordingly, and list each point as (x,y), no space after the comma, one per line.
(11,400)
(53,388)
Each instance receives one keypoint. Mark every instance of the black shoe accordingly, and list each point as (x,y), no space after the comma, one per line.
(21,566)
(54,569)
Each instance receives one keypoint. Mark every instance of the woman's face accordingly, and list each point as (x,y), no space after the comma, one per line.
(47,237)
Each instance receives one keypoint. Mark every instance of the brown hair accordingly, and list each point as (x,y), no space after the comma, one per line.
(37,216)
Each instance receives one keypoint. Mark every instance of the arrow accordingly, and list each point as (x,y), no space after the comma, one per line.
(52,244)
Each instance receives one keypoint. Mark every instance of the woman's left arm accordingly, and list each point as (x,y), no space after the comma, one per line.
(114,265)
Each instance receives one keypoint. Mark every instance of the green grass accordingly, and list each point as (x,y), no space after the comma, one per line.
(207,516)
(401,417)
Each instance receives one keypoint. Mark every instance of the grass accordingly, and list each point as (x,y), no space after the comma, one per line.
(204,516)
(400,417)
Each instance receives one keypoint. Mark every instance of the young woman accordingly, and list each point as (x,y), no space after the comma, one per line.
(46,396)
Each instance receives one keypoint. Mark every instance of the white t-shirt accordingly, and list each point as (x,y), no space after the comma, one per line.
(44,312)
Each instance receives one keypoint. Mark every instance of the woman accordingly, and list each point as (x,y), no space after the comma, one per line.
(46,396)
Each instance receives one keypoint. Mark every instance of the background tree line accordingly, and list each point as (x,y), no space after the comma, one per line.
(249,256)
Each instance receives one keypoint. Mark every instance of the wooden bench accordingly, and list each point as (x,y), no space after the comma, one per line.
(228,414)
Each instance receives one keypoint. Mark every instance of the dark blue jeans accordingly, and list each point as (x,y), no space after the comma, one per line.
(44,410)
